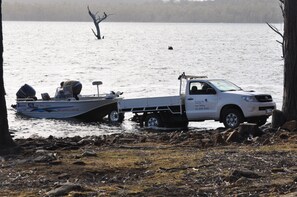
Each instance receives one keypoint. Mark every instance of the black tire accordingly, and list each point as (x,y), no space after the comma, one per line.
(181,124)
(232,118)
(153,120)
(115,117)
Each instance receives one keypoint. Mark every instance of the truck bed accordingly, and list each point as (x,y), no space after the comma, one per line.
(171,103)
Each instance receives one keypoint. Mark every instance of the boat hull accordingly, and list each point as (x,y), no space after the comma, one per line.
(92,109)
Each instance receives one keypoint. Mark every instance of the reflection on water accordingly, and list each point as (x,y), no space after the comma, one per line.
(134,59)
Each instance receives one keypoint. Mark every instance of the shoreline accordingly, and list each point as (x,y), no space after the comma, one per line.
(176,163)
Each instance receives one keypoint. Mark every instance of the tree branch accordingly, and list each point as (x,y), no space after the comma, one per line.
(275,30)
(279,33)
(91,14)
(94,32)
(282,9)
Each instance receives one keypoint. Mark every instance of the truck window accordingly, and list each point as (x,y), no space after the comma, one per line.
(224,85)
(199,88)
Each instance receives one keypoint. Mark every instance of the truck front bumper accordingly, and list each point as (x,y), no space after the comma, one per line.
(259,109)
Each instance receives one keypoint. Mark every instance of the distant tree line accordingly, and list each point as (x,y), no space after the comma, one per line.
(234,11)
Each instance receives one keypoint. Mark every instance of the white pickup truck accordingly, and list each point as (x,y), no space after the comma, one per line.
(201,99)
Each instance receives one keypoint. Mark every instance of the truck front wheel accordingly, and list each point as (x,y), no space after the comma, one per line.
(153,120)
(232,118)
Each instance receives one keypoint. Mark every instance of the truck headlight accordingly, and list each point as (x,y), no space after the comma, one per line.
(249,98)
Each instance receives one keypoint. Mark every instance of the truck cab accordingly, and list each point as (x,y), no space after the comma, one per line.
(221,100)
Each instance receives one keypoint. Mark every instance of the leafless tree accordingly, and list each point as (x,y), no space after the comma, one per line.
(97,19)
(5,137)
(289,44)
(290,59)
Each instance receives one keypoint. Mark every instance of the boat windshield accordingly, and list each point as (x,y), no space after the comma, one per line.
(224,85)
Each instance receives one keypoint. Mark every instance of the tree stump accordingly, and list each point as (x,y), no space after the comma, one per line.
(278,119)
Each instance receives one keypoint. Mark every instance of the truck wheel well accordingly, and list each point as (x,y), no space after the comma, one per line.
(229,107)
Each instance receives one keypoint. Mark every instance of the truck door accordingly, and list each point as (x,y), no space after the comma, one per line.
(201,101)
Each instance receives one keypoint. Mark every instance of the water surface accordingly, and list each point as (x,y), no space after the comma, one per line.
(133,58)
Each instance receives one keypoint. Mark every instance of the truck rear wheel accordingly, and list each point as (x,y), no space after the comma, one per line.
(114,116)
(232,118)
(153,120)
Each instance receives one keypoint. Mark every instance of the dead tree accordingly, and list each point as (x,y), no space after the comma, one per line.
(290,57)
(5,137)
(289,44)
(97,19)
(289,48)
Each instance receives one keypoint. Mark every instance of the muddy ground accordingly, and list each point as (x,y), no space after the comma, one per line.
(177,163)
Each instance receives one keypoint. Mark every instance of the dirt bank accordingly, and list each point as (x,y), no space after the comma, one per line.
(178,163)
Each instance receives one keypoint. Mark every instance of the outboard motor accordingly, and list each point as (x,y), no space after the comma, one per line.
(26,91)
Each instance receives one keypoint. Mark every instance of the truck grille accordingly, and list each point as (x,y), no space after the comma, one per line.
(264,98)
(266,108)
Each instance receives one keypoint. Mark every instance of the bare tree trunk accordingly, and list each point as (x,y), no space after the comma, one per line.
(98,31)
(290,56)
(5,138)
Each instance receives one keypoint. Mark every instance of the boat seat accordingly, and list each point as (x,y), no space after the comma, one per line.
(45,96)
(194,90)
(97,83)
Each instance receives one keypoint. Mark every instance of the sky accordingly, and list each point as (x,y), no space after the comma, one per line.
(226,11)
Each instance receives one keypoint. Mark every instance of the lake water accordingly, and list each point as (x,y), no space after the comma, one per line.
(133,58)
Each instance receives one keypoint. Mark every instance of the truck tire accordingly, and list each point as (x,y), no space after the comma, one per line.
(153,120)
(232,117)
(115,117)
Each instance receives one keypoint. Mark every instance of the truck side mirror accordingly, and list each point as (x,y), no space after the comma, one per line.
(210,91)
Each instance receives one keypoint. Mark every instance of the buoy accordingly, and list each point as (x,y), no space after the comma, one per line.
(170,48)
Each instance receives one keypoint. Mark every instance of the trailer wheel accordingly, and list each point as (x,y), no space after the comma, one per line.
(114,116)
(153,120)
(232,118)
